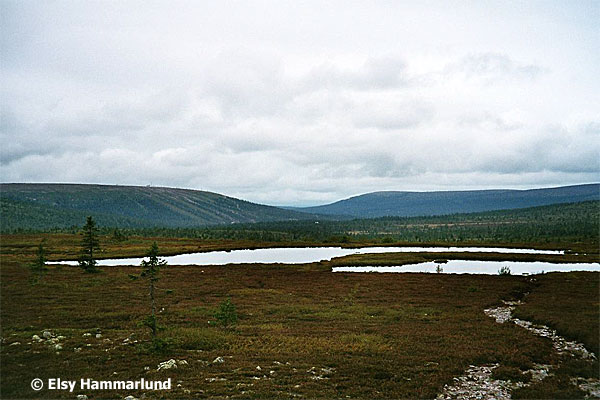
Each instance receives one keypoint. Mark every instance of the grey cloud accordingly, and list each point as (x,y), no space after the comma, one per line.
(398,115)
(552,149)
(488,121)
(123,93)
(375,73)
(493,67)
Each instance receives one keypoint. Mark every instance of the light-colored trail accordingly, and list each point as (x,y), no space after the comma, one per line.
(477,381)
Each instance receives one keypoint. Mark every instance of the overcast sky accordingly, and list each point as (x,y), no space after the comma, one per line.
(301,102)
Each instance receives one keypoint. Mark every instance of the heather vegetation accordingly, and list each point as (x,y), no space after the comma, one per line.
(264,331)
(322,334)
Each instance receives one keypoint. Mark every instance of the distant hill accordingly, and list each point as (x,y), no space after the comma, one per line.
(407,204)
(47,206)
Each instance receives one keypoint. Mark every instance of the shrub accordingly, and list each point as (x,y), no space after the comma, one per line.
(504,271)
(226,315)
(38,267)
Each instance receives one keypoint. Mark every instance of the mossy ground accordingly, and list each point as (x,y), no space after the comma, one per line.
(322,334)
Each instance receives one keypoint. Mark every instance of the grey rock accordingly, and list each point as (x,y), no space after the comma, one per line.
(167,365)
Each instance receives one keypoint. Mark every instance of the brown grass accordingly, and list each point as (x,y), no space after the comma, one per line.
(380,335)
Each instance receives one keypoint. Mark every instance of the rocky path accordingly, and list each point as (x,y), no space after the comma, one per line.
(477,382)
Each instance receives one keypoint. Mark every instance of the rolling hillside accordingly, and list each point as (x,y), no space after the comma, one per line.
(407,204)
(46,206)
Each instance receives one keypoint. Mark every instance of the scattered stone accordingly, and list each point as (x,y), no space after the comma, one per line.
(218,360)
(87,334)
(258,368)
(61,337)
(77,349)
(130,397)
(37,338)
(98,335)
(57,347)
(146,368)
(15,344)
(215,379)
(186,391)
(590,385)
(477,383)
(560,344)
(322,375)
(539,372)
(47,334)
(172,363)
(167,365)
(82,397)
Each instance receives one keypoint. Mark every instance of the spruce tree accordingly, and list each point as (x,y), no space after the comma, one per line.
(38,267)
(150,271)
(89,244)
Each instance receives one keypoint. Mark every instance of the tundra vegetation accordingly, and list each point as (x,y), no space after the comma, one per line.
(300,330)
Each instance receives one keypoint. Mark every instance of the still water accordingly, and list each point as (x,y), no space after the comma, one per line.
(479,267)
(300,255)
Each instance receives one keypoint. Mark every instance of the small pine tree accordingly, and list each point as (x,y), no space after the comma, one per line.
(226,314)
(150,271)
(38,267)
(118,236)
(504,271)
(89,244)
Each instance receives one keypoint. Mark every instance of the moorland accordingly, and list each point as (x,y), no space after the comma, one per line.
(301,330)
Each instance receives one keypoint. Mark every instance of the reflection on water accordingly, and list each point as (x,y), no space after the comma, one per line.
(479,267)
(300,255)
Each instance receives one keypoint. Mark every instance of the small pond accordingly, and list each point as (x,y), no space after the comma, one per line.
(478,267)
(300,255)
